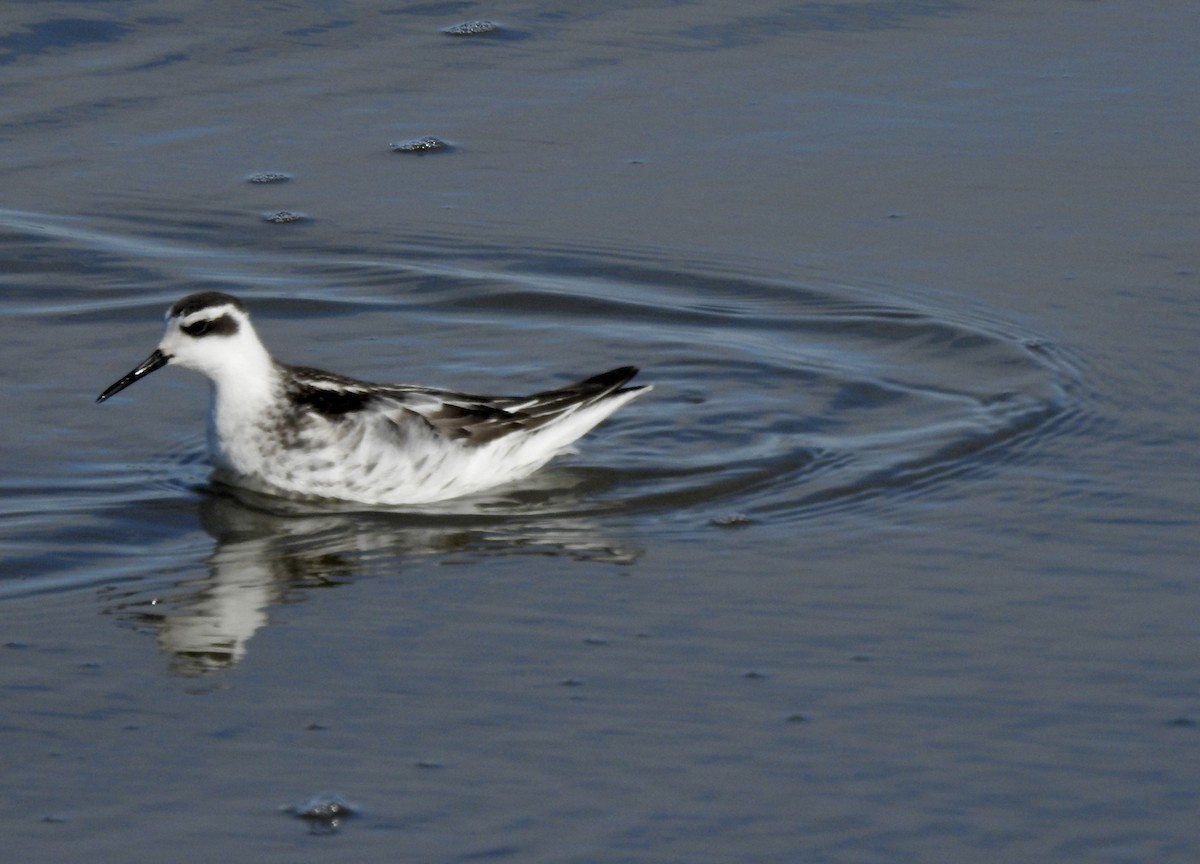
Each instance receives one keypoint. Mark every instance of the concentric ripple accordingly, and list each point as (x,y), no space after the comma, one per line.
(776,399)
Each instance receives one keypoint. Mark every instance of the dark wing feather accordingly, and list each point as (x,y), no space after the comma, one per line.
(475,420)
(480,419)
(331,396)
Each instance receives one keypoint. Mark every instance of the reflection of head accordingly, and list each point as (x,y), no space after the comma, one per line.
(207,629)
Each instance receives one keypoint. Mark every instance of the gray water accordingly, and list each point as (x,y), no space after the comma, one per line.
(897,563)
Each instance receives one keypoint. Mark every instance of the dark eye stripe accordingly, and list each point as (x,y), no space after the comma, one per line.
(221,326)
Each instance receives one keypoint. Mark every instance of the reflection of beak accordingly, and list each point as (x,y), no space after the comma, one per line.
(155,361)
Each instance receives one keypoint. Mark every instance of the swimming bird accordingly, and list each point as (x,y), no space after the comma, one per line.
(300,432)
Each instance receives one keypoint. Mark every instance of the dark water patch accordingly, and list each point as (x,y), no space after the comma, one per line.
(68,114)
(804,18)
(58,34)
(105,545)
(439,10)
(304,34)
(160,62)
(167,235)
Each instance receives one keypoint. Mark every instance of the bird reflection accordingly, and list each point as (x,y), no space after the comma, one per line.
(268,552)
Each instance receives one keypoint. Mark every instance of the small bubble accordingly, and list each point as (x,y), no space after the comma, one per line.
(327,805)
(472,28)
(733,520)
(284,217)
(269,177)
(324,812)
(426,144)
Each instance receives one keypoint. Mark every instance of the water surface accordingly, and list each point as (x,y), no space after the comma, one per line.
(896,563)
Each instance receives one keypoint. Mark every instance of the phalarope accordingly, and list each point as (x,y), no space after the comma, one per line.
(297,431)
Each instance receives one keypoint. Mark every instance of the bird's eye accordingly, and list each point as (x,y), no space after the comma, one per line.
(196,328)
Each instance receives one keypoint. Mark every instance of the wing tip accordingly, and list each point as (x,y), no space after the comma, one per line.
(610,380)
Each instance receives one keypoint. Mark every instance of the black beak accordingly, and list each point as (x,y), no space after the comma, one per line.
(155,361)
